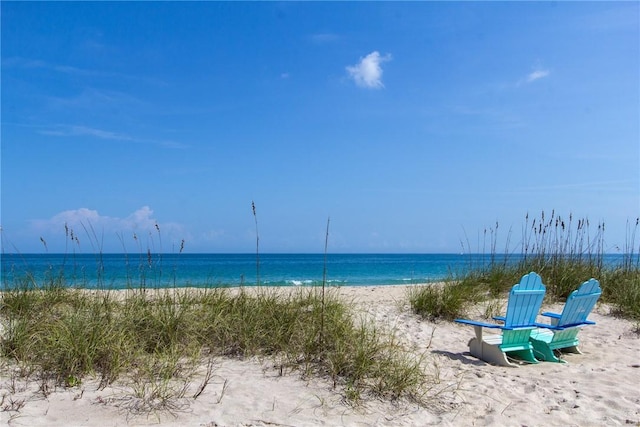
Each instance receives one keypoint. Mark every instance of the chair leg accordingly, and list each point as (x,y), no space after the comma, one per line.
(573,349)
(544,352)
(526,355)
(489,353)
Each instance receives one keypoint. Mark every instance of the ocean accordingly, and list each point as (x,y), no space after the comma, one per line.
(120,271)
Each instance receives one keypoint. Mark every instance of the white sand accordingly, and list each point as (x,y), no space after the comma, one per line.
(599,387)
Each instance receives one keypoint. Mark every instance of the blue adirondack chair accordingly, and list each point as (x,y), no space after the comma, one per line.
(562,332)
(523,306)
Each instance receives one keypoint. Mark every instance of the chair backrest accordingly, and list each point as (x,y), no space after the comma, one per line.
(525,300)
(580,303)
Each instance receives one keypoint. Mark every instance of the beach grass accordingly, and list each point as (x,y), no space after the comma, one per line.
(157,339)
(442,301)
(565,252)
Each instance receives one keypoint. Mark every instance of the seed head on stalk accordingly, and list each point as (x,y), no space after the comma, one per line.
(255,217)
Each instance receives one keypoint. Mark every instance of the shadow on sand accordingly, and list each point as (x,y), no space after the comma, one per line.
(465,357)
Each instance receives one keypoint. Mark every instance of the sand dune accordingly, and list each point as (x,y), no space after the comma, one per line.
(599,387)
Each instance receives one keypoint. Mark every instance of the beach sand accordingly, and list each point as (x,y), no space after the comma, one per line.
(599,387)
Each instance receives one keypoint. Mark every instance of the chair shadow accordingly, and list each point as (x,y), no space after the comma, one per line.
(465,357)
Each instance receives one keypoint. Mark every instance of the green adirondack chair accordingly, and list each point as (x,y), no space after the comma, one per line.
(523,306)
(561,334)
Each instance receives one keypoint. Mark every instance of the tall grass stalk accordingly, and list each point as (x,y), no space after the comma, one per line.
(324,282)
(97,245)
(255,217)
(564,251)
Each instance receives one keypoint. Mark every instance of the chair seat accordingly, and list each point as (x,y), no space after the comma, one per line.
(541,334)
(558,339)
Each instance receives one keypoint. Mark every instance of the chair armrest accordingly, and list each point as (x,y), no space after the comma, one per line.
(518,328)
(500,318)
(553,315)
(551,327)
(481,324)
(563,327)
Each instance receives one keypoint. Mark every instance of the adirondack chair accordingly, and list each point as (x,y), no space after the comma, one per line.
(523,306)
(562,331)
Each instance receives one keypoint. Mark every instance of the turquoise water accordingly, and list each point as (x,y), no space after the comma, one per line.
(154,270)
(121,271)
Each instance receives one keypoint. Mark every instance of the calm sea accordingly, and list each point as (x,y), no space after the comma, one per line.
(199,270)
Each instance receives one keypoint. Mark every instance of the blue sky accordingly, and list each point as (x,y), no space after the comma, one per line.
(414,126)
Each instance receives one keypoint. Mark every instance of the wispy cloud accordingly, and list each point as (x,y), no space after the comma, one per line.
(85,131)
(84,221)
(65,130)
(28,63)
(488,118)
(368,72)
(537,75)
(324,38)
(99,99)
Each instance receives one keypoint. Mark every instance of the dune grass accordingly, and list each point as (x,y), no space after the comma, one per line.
(158,340)
(59,335)
(564,252)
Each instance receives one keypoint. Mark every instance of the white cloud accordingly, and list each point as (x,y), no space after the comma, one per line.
(368,72)
(89,225)
(64,130)
(86,131)
(83,217)
(537,75)
(140,219)
(75,217)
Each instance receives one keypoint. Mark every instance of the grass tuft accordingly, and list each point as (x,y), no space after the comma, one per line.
(156,338)
(442,301)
